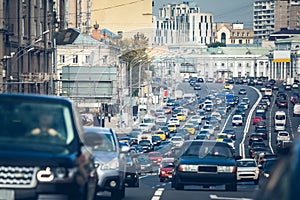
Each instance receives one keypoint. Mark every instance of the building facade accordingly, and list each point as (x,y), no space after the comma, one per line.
(86,69)
(26,47)
(272,15)
(181,23)
(75,14)
(233,34)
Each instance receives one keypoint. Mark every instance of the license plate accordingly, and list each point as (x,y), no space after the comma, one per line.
(7,194)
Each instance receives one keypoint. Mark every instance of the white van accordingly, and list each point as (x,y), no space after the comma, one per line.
(296,110)
(280,118)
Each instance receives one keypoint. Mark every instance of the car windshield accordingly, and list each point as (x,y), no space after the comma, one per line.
(100,142)
(31,123)
(207,150)
(246,163)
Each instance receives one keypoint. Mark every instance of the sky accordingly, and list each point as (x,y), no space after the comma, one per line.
(223,10)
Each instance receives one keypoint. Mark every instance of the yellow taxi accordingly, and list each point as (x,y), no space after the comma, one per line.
(227,86)
(190,128)
(181,117)
(161,134)
(172,128)
(221,136)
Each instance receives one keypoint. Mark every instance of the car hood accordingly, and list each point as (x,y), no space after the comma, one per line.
(35,158)
(220,161)
(246,169)
(104,156)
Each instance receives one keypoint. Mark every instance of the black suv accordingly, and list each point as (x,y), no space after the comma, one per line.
(206,163)
(40,163)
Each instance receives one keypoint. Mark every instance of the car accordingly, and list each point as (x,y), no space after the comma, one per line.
(261,124)
(263,157)
(197,86)
(37,166)
(202,136)
(205,163)
(147,166)
(161,134)
(257,119)
(288,87)
(156,157)
(196,118)
(237,120)
(255,151)
(221,136)
(283,136)
(255,137)
(242,91)
(295,86)
(161,119)
(172,128)
(145,127)
(295,98)
(282,103)
(177,141)
(247,170)
(181,117)
(296,110)
(133,171)
(230,133)
(174,120)
(166,169)
(209,128)
(227,86)
(110,159)
(266,171)
(167,110)
(229,141)
(190,128)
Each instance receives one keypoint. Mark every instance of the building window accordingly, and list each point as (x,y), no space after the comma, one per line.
(223,38)
(35,29)
(240,41)
(62,58)
(88,59)
(240,64)
(23,27)
(105,59)
(75,58)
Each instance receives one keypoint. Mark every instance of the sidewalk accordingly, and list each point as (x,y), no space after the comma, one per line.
(113,124)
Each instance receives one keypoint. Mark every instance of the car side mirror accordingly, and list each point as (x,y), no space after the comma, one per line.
(125,149)
(259,166)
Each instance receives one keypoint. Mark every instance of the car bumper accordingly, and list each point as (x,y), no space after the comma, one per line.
(44,190)
(109,180)
(189,178)
(247,176)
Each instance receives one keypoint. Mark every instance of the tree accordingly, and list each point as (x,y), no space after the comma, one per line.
(216,44)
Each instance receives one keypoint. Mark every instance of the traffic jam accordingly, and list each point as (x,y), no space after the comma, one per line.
(216,134)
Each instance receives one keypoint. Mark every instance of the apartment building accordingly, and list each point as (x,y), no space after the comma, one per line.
(182,23)
(26,46)
(272,15)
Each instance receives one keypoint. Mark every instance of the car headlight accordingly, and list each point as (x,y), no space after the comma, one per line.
(55,174)
(188,168)
(229,169)
(113,164)
(267,175)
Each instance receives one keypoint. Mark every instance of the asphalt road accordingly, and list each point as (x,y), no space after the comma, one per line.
(151,188)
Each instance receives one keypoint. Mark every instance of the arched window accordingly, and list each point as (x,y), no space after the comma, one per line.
(223,38)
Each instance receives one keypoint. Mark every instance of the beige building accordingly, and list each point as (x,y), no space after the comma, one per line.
(26,46)
(233,34)
(75,14)
(127,16)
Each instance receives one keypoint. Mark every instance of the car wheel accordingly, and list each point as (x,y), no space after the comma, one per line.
(231,187)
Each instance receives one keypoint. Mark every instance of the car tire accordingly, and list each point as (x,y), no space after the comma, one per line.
(231,187)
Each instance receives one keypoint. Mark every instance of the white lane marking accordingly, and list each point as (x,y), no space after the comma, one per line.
(248,122)
(213,196)
(270,126)
(158,194)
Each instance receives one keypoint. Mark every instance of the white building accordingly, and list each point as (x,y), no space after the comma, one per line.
(86,70)
(181,23)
